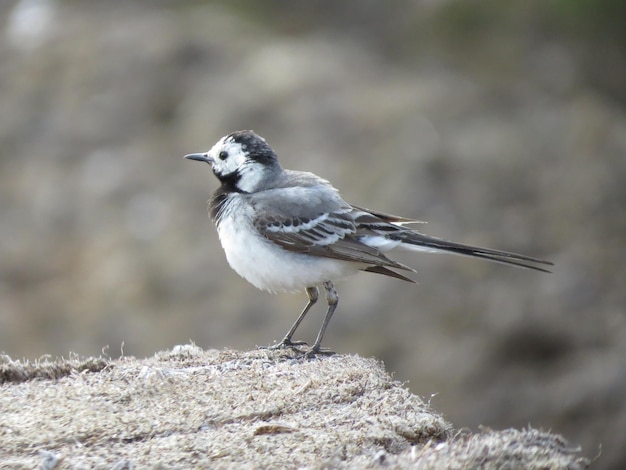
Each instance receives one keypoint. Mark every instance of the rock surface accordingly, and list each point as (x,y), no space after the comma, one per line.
(189,408)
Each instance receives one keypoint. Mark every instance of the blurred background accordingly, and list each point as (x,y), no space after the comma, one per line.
(503,124)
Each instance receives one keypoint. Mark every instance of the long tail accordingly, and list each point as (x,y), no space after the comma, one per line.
(416,241)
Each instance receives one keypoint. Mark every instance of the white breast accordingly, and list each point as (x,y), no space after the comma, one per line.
(265,264)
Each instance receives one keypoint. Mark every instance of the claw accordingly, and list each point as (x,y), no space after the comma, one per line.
(313,352)
(286,344)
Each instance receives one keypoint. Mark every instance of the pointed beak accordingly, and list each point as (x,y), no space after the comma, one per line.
(200,157)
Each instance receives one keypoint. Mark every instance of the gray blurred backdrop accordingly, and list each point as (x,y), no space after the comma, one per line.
(503,124)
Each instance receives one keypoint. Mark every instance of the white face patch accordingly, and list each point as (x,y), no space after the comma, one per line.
(229,157)
(251,173)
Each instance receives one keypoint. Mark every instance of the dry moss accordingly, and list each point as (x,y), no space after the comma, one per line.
(190,408)
(22,371)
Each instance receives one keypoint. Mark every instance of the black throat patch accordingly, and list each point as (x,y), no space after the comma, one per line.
(220,196)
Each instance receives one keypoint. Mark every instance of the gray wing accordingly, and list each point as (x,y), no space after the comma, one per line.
(316,221)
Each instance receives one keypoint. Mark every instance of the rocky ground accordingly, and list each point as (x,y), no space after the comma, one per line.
(189,408)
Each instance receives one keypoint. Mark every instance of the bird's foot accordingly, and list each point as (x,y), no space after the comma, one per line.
(300,347)
(286,344)
(318,351)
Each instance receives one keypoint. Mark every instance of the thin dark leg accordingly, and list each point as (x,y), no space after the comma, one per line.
(333,299)
(286,342)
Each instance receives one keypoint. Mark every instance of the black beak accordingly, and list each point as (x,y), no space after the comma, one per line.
(200,157)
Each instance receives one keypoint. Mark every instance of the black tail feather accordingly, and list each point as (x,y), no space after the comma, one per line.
(418,239)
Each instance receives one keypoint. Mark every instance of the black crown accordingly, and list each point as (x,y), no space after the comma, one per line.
(255,146)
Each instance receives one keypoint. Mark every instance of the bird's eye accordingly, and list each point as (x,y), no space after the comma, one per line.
(223,155)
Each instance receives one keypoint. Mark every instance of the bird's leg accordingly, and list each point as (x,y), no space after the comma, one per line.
(333,299)
(286,342)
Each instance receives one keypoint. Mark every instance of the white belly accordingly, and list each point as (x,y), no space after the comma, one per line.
(268,266)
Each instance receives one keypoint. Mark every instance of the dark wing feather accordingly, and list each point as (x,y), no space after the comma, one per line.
(387,272)
(319,226)
(328,236)
(390,218)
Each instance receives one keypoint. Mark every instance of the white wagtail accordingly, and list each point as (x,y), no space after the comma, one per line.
(285,230)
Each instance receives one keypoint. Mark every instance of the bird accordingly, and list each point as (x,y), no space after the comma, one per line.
(284,230)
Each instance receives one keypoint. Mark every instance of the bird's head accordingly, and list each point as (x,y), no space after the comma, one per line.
(241,160)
